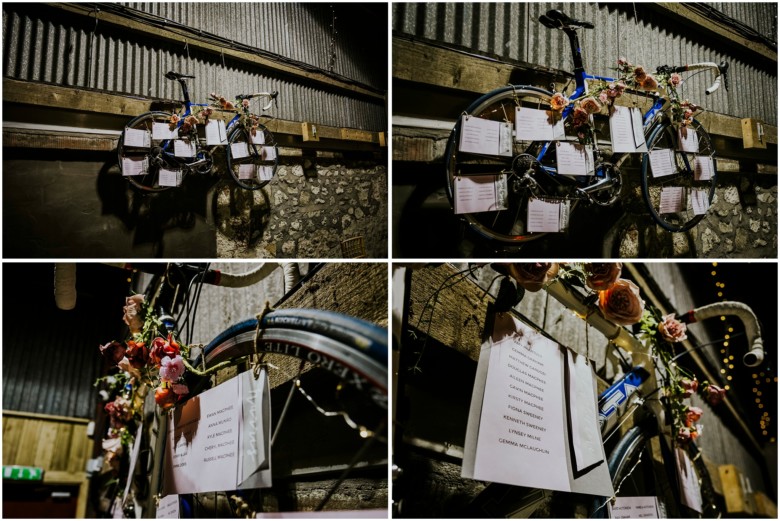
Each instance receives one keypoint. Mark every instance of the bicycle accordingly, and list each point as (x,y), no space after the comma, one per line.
(637,395)
(336,362)
(524,176)
(156,150)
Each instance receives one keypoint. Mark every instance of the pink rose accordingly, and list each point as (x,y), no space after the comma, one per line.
(162,348)
(603,97)
(113,351)
(171,369)
(674,80)
(621,303)
(689,386)
(533,275)
(683,436)
(672,330)
(715,394)
(622,61)
(601,275)
(558,101)
(649,83)
(692,415)
(133,316)
(180,389)
(245,103)
(590,105)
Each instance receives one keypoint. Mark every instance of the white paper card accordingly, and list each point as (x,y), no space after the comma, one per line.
(583,413)
(480,193)
(672,199)
(137,138)
(239,150)
(219,440)
(627,134)
(247,171)
(163,131)
(543,216)
(574,159)
(688,140)
(703,168)
(169,177)
(639,507)
(168,508)
(258,138)
(268,154)
(538,125)
(265,173)
(690,492)
(216,133)
(522,414)
(135,165)
(700,201)
(662,162)
(184,148)
(133,460)
(483,136)
(565,213)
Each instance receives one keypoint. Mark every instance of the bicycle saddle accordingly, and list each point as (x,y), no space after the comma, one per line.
(176,76)
(555,19)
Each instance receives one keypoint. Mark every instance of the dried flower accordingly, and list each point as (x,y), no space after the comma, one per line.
(579,117)
(558,101)
(162,348)
(533,275)
(674,80)
(113,351)
(137,353)
(649,83)
(715,394)
(621,303)
(672,330)
(590,105)
(689,386)
(692,415)
(601,275)
(639,74)
(133,316)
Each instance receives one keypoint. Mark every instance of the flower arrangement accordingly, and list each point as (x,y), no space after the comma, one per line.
(619,300)
(604,94)
(147,359)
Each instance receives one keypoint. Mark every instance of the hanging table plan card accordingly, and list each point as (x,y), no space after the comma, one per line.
(688,140)
(135,165)
(703,169)
(162,131)
(220,439)
(700,201)
(184,148)
(521,417)
(662,162)
(137,138)
(638,507)
(672,199)
(480,193)
(538,125)
(169,177)
(547,216)
(574,159)
(626,131)
(216,133)
(484,136)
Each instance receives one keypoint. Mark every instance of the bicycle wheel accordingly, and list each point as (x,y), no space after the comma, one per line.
(525,176)
(252,160)
(140,162)
(634,473)
(669,192)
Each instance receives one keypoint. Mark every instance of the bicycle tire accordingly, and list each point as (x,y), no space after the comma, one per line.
(509,226)
(352,349)
(630,466)
(664,136)
(150,181)
(258,156)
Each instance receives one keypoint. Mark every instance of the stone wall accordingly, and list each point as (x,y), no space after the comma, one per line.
(308,210)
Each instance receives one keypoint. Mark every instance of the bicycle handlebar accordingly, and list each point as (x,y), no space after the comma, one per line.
(720,74)
(755,354)
(270,95)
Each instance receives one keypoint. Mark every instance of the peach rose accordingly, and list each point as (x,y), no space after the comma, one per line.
(579,117)
(590,105)
(692,415)
(558,101)
(672,330)
(621,303)
(533,275)
(639,74)
(674,80)
(601,275)
(649,83)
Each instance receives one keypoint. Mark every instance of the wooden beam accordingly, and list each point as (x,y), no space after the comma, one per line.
(179,37)
(47,417)
(99,102)
(691,16)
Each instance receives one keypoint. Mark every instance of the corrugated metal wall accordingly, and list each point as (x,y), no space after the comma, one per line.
(512,31)
(41,43)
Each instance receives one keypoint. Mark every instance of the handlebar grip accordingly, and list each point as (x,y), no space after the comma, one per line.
(714,86)
(752,328)
(755,356)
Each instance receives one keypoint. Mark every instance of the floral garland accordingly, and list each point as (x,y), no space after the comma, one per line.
(620,302)
(189,127)
(604,94)
(145,360)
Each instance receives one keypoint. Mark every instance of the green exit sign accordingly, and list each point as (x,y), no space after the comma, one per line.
(20,473)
